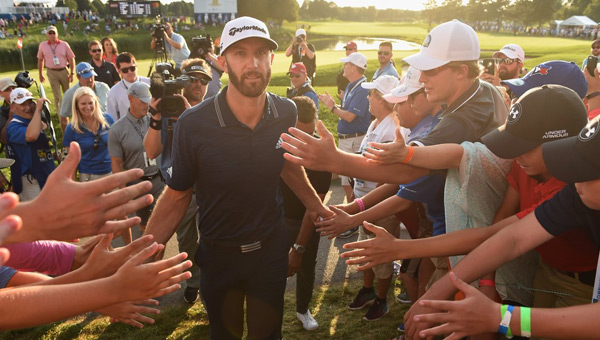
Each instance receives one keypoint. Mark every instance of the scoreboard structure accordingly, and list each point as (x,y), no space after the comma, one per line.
(134,9)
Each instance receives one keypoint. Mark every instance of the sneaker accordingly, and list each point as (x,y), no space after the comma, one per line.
(365,297)
(348,233)
(404,298)
(190,295)
(378,309)
(308,322)
(400,328)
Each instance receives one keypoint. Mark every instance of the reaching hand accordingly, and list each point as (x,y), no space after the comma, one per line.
(388,153)
(131,312)
(382,248)
(476,314)
(308,151)
(294,261)
(66,210)
(327,100)
(9,224)
(138,281)
(332,227)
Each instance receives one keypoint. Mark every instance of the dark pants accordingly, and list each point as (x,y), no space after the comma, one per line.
(305,277)
(230,277)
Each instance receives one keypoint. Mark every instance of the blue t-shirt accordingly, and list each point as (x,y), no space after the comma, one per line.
(356,102)
(93,160)
(235,169)
(430,191)
(566,211)
(6,273)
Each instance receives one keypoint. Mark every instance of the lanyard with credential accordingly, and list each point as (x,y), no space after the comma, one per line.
(136,129)
(350,92)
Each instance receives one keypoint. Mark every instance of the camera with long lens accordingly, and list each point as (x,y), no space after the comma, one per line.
(158,32)
(201,46)
(165,83)
(24,80)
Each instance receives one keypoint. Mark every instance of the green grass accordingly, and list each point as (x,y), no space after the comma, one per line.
(184,322)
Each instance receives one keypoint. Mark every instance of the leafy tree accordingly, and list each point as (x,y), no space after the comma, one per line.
(255,8)
(83,4)
(99,7)
(572,7)
(593,10)
(280,10)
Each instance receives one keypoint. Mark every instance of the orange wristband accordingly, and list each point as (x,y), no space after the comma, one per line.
(409,155)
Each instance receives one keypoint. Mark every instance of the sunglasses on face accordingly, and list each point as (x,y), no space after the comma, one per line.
(386,53)
(98,50)
(130,68)
(202,81)
(507,61)
(414,95)
(96,141)
(434,72)
(596,47)
(52,33)
(295,75)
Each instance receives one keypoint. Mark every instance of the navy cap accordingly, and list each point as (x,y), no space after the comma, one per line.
(556,72)
(541,115)
(575,159)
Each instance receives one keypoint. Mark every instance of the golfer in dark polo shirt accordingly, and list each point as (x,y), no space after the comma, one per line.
(228,150)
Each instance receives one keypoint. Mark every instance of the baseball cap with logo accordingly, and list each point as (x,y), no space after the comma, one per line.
(512,51)
(20,95)
(141,91)
(575,159)
(357,59)
(383,84)
(410,85)
(196,68)
(51,28)
(300,32)
(351,45)
(5,83)
(558,72)
(297,68)
(244,28)
(450,41)
(541,115)
(85,70)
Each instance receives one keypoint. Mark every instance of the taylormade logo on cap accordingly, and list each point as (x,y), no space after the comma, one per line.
(234,30)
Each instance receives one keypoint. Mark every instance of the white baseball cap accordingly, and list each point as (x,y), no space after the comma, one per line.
(20,95)
(357,59)
(383,84)
(410,85)
(244,28)
(300,32)
(450,41)
(513,51)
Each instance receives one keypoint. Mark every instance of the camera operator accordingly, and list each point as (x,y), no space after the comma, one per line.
(160,134)
(304,52)
(6,87)
(28,145)
(202,47)
(176,47)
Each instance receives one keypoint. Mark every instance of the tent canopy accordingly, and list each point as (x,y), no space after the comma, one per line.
(579,20)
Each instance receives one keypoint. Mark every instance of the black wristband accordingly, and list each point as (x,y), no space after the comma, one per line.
(155,124)
(152,110)
(593,94)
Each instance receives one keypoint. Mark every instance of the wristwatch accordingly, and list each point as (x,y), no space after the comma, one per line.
(299,248)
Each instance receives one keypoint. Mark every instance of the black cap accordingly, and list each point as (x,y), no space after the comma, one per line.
(196,68)
(541,115)
(575,159)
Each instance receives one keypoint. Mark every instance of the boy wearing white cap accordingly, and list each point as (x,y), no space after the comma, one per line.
(228,150)
(304,52)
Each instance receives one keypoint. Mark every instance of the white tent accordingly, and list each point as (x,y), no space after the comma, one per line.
(579,20)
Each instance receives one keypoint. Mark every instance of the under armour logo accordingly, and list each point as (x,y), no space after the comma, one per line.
(590,131)
(515,112)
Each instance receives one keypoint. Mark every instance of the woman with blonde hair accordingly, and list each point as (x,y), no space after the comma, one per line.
(89,127)
(110,50)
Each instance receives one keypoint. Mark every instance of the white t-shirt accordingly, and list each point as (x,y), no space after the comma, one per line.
(385,132)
